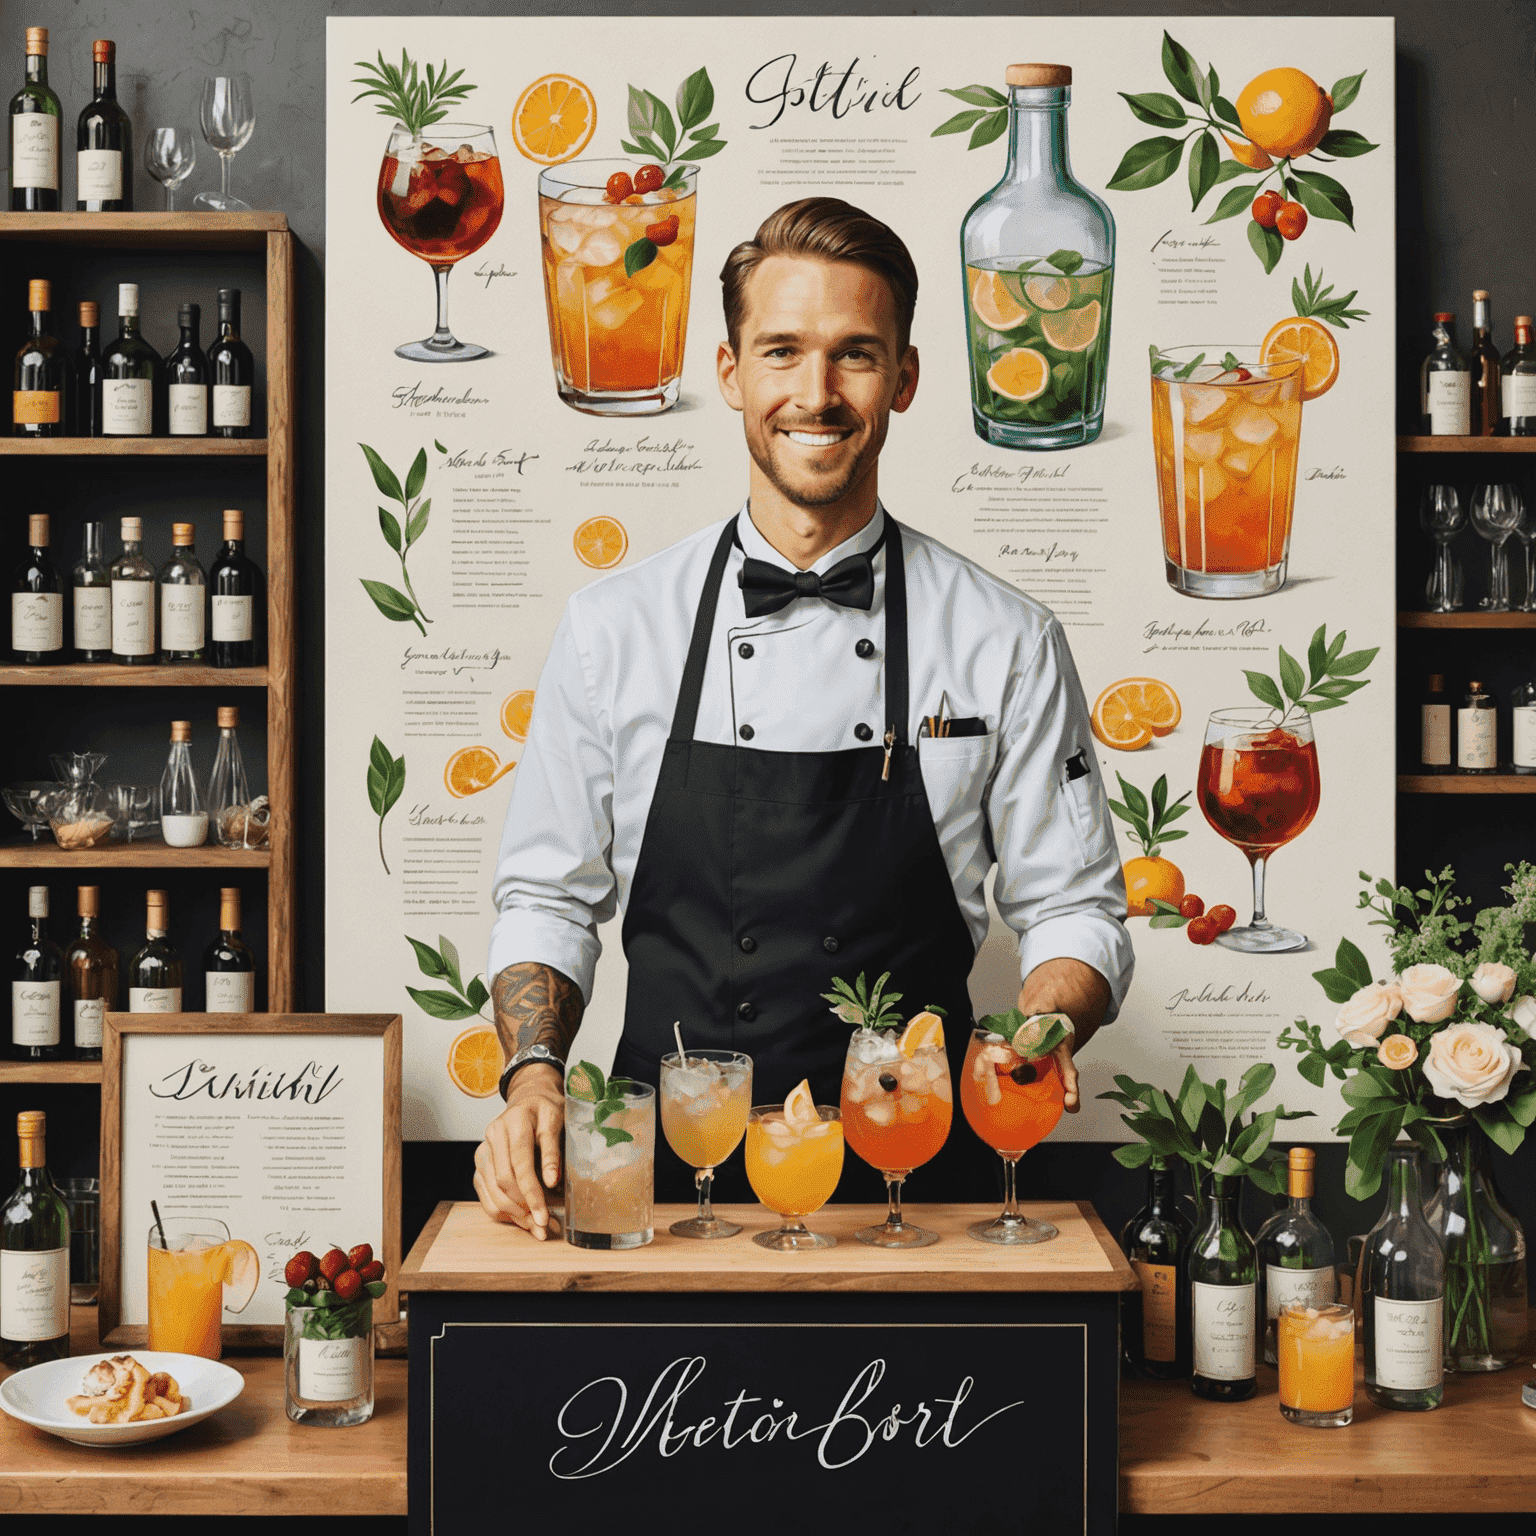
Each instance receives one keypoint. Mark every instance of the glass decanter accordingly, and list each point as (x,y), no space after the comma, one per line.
(183,811)
(239,821)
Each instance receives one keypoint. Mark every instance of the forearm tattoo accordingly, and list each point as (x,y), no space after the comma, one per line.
(536,1005)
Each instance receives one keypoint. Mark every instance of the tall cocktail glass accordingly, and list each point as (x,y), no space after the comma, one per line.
(609,1181)
(705,1100)
(196,1273)
(793,1169)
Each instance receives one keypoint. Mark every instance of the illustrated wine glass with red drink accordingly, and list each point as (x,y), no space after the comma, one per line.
(1258,787)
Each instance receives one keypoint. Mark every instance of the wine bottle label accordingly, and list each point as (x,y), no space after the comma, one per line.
(93,618)
(35,1012)
(154,999)
(37,621)
(1525,736)
(181,618)
(1519,394)
(36,407)
(1159,1315)
(231,405)
(333,1370)
(133,618)
(1222,1321)
(34,1294)
(1435,736)
(89,1012)
(35,150)
(1408,1352)
(1297,1288)
(1450,404)
(1476,738)
(189,410)
(99,175)
(231,992)
(125,407)
(233,618)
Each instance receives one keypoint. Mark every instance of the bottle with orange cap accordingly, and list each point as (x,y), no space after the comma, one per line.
(42,396)
(34,1257)
(104,141)
(34,134)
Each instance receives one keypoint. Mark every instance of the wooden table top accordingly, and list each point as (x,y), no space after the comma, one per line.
(250,1459)
(462,1249)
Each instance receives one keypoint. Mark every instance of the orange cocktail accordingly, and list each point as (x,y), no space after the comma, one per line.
(705,1099)
(1316,1351)
(195,1273)
(793,1164)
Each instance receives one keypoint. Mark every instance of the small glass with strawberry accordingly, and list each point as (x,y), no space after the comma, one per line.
(328,1335)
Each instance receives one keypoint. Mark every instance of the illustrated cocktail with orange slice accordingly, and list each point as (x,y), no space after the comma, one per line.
(794,1160)
(196,1273)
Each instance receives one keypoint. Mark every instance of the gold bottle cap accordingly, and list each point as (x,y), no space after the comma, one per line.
(88,900)
(90,312)
(39,293)
(1437,682)
(157,902)
(1474,687)
(234,524)
(103,50)
(181,730)
(132,529)
(1522,319)
(1480,294)
(31,1122)
(1299,1172)
(229,717)
(229,907)
(37,42)
(1039,74)
(31,1130)
(182,533)
(37,530)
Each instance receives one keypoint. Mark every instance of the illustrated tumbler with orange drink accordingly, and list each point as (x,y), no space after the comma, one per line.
(196,1273)
(794,1160)
(1316,1349)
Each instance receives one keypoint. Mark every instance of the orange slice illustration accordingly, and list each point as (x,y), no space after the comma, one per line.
(601,542)
(517,714)
(922,1029)
(1128,714)
(1311,341)
(474,1061)
(472,769)
(554,119)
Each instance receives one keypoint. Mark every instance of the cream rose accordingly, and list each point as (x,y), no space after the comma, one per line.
(1524,1013)
(1471,1063)
(1429,993)
(1397,1052)
(1494,983)
(1364,1018)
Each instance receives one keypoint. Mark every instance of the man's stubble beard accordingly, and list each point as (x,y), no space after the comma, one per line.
(831,493)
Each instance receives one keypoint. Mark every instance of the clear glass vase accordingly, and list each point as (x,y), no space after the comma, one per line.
(1484,1255)
(328,1363)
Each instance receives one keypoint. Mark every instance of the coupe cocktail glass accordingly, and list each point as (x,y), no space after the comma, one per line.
(190,1265)
(1315,1347)
(896,1116)
(705,1100)
(616,285)
(1012,1104)
(793,1170)
(1224,434)
(440,196)
(608,1186)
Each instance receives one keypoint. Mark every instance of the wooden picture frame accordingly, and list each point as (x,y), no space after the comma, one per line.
(119,1030)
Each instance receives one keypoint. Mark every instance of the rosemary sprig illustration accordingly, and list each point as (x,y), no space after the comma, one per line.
(401,607)
(386,780)
(404,95)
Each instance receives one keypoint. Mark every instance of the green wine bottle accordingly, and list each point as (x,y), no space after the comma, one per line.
(1223,1295)
(34,1258)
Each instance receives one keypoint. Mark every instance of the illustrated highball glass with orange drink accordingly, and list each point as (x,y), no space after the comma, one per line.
(196,1273)
(706,1097)
(1315,1348)
(617,245)
(1258,787)
(1012,1095)
(897,1105)
(794,1160)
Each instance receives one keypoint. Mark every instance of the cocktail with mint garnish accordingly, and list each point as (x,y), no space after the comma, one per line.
(610,1159)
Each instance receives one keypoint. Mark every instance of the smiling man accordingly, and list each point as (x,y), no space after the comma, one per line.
(732,749)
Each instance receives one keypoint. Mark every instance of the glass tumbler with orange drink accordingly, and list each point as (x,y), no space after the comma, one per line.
(705,1099)
(1258,787)
(897,1105)
(196,1273)
(1012,1095)
(794,1160)
(1316,1348)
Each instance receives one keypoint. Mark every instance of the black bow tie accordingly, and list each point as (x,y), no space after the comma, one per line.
(767,588)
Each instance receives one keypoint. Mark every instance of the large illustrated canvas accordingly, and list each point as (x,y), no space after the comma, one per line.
(1157,352)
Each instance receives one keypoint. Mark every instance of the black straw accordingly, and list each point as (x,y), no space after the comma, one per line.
(163,1241)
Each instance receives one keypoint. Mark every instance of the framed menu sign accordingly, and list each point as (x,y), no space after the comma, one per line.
(283,1129)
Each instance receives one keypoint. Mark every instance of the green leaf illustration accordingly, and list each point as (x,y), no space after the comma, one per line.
(701,149)
(390,527)
(417,477)
(1146,164)
(1182,71)
(638,255)
(442,1005)
(442,964)
(451,960)
(391,602)
(1346,143)
(1236,200)
(418,522)
(1154,107)
(383,475)
(386,781)
(1322,196)
(1344,91)
(977,95)
(988,129)
(1268,244)
(1204,159)
(695,99)
(960,122)
(428,961)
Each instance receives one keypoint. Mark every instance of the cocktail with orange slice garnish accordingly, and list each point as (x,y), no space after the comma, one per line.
(794,1160)
(196,1272)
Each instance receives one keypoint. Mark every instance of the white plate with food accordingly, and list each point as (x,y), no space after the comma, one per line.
(120,1399)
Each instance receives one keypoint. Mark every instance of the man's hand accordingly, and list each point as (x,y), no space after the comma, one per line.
(522,1144)
(1077,990)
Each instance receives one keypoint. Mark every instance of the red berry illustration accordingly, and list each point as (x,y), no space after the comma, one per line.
(1191,906)
(649,178)
(372,1272)
(1291,220)
(1202,931)
(1223,916)
(619,187)
(1265,207)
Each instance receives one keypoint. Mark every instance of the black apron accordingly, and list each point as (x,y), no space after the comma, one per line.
(761,876)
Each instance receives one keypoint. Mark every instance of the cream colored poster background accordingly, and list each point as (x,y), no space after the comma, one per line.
(518,472)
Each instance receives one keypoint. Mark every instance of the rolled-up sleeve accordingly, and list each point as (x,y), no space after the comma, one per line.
(1058,884)
(554,875)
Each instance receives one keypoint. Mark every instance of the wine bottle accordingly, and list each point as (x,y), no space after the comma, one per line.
(1295,1252)
(234,582)
(1487,404)
(35,116)
(34,1257)
(154,976)
(234,371)
(92,966)
(37,975)
(92,586)
(1223,1297)
(186,377)
(104,139)
(1402,1291)
(133,600)
(183,810)
(228,964)
(1156,1240)
(1477,732)
(1445,383)
(42,397)
(37,601)
(130,374)
(1435,727)
(88,373)
(1517,369)
(183,599)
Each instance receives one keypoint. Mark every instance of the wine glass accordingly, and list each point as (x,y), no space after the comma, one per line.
(706,1097)
(169,155)
(1442,517)
(1496,513)
(1526,531)
(229,119)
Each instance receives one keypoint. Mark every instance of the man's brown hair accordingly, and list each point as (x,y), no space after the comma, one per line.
(827,229)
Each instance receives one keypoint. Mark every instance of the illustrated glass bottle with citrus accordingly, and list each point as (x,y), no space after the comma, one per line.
(1039,254)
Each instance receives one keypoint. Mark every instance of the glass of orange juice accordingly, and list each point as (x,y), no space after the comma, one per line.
(196,1273)
(794,1160)
(1316,1349)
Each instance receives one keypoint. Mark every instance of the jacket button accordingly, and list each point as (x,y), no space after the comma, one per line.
(865,648)
(745,651)
(862,731)
(829,944)
(747,733)
(748,944)
(747,1012)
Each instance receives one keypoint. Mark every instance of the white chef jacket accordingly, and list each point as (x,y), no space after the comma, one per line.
(793,681)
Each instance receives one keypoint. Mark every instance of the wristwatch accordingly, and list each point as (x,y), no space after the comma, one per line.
(522,1058)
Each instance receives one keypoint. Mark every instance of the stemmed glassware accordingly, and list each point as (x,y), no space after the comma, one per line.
(1496,513)
(1442,517)
(169,155)
(794,1160)
(229,119)
(1526,532)
(705,1099)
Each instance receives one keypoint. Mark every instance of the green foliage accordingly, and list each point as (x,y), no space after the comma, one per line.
(386,780)
(1313,301)
(862,1005)
(1051,1030)
(987,120)
(586,1083)
(397,606)
(404,95)
(1150,820)
(1330,677)
(656,134)
(442,964)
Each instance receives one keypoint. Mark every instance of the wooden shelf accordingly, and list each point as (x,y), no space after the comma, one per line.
(1466,445)
(1407,619)
(94,674)
(48,855)
(50,1071)
(135,447)
(151,231)
(1466,783)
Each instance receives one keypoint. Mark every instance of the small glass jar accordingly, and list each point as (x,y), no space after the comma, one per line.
(328,1363)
